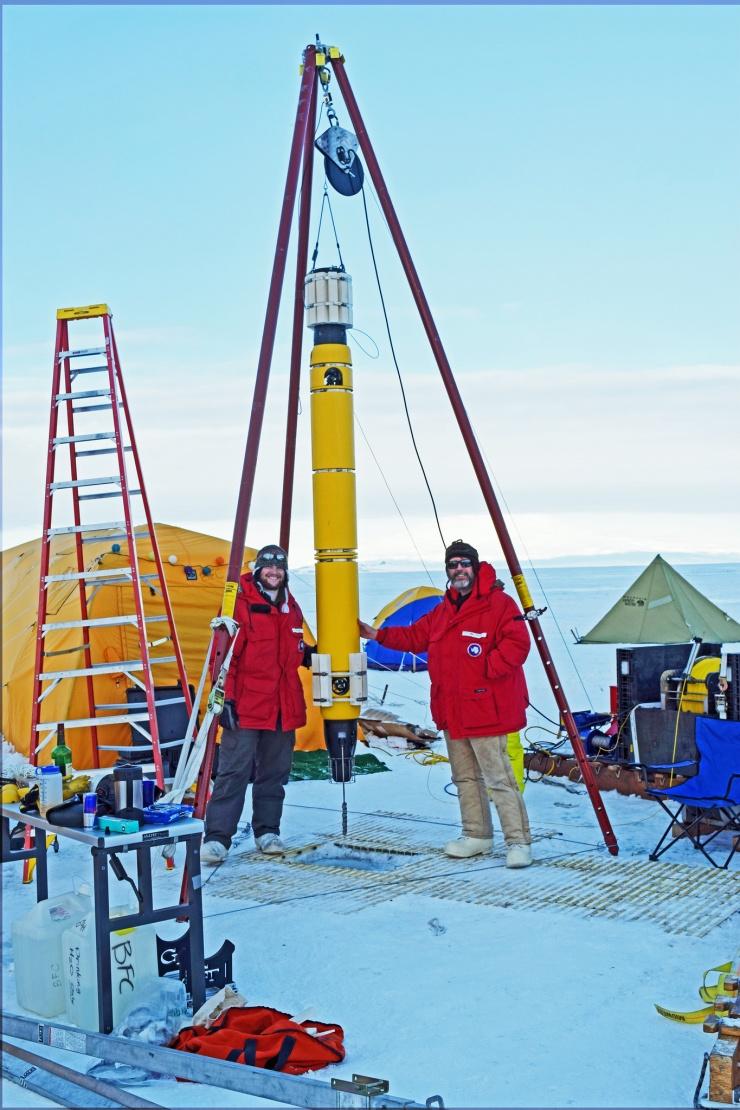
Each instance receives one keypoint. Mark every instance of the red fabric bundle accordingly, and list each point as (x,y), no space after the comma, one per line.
(265,1038)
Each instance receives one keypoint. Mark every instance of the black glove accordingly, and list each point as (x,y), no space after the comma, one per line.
(308,651)
(229,719)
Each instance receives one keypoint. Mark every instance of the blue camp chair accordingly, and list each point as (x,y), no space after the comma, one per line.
(715,788)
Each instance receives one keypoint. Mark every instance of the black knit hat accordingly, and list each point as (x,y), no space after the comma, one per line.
(271,556)
(458,549)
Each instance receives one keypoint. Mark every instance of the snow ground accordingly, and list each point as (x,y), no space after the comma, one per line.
(485,1004)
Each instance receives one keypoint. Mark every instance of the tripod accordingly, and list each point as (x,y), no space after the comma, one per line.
(318,62)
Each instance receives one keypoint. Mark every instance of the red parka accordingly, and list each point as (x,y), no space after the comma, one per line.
(263,677)
(476,653)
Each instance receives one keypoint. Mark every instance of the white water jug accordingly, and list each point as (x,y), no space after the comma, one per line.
(133,967)
(37,952)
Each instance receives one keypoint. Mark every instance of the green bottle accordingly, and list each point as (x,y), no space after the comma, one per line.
(61,754)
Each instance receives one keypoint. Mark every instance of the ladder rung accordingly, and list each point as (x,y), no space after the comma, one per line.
(100,622)
(102,496)
(76,483)
(128,581)
(68,530)
(157,702)
(119,574)
(140,747)
(87,438)
(89,369)
(81,354)
(106,668)
(86,722)
(116,536)
(102,451)
(95,408)
(79,394)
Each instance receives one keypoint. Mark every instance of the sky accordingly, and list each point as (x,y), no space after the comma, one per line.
(566,178)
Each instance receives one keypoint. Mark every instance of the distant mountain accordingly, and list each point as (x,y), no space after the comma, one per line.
(639,558)
(610,559)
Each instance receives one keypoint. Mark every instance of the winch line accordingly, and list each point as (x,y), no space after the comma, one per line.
(534,572)
(398,370)
(390,491)
(325,200)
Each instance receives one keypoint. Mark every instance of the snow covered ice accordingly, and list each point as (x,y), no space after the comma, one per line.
(520,1001)
(459,978)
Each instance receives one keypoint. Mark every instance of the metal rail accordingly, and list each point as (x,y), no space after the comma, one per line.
(61,1084)
(289,1090)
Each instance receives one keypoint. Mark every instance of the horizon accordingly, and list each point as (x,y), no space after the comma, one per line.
(410,564)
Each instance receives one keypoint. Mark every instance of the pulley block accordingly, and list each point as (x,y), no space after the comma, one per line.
(342,163)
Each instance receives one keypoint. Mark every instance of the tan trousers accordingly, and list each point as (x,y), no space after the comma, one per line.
(480,762)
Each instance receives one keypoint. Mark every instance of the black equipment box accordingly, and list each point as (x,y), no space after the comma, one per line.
(655,731)
(638,682)
(733,693)
(639,670)
(172,723)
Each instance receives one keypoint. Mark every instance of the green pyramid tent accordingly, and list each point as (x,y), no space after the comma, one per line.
(661,607)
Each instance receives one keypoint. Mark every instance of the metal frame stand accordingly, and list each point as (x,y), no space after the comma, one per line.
(37,852)
(102,848)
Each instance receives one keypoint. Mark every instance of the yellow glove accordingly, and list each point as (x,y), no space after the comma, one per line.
(79,784)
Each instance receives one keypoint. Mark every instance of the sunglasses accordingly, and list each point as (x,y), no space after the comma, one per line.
(270,557)
(455,563)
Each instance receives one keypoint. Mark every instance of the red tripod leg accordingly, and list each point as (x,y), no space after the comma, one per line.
(475,455)
(244,501)
(296,350)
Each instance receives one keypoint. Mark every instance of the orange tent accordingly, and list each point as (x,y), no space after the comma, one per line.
(194,603)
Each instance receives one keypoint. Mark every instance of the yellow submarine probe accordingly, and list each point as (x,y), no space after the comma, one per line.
(339,667)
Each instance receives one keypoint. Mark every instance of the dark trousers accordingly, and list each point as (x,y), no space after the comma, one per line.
(259,756)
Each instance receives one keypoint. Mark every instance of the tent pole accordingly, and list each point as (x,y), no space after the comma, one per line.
(221,641)
(296,353)
(530,612)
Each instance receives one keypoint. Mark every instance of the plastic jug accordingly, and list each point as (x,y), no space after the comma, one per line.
(133,967)
(51,788)
(37,951)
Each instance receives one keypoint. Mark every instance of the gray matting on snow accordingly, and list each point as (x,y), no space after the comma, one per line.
(388,855)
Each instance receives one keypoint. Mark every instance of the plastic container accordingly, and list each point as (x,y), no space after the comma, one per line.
(37,951)
(133,967)
(51,791)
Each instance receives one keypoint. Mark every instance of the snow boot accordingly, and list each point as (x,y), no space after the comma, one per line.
(270,844)
(519,855)
(466,846)
(213,852)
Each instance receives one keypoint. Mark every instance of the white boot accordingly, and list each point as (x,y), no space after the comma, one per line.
(519,855)
(213,852)
(270,844)
(466,846)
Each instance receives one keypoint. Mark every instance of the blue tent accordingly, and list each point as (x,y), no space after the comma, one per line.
(401,612)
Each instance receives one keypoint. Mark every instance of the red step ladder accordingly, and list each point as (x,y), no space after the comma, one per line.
(108,435)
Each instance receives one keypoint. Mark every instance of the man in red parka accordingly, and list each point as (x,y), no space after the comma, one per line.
(264,706)
(477,642)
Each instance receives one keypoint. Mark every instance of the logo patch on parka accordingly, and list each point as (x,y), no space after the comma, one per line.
(474,649)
